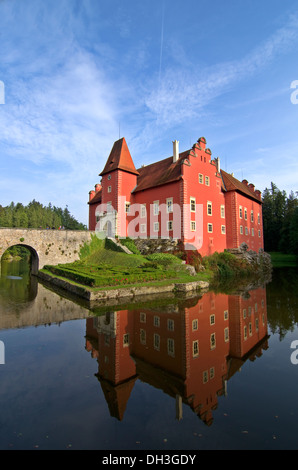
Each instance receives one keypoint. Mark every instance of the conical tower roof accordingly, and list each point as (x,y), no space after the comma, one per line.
(120,159)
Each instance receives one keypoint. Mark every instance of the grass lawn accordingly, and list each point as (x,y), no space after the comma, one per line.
(283,260)
(103,267)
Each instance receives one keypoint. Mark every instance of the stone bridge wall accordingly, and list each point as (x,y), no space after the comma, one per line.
(46,246)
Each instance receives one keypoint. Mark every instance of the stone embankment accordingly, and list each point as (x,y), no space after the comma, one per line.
(261,261)
(132,292)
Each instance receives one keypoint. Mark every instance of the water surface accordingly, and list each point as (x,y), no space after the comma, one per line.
(210,372)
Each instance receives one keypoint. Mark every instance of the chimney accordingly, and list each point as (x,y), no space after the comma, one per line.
(245,182)
(91,195)
(97,187)
(175,151)
(217,161)
(252,187)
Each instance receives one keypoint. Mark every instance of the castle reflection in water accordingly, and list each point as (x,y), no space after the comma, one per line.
(189,350)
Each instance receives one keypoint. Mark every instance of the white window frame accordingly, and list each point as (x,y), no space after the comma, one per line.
(156,341)
(143,211)
(195,348)
(169,205)
(207,180)
(156,227)
(192,203)
(171,347)
(155,207)
(222,211)
(201,178)
(209,206)
(210,227)
(193,225)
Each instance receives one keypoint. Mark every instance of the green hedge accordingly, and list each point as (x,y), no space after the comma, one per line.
(105,278)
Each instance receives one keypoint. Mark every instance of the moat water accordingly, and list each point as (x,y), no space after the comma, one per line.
(217,371)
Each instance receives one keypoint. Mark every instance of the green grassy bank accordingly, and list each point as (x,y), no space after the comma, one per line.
(104,266)
(283,260)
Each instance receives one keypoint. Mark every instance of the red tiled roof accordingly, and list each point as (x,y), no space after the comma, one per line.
(119,159)
(158,173)
(96,198)
(232,184)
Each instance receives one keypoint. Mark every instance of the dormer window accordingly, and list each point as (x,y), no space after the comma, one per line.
(109,177)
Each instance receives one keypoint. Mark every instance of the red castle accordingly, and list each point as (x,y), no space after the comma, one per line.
(186,196)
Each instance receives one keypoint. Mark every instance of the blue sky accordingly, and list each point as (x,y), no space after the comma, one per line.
(80,73)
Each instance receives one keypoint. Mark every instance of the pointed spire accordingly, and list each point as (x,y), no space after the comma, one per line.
(120,159)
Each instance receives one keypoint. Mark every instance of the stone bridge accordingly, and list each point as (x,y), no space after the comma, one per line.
(46,246)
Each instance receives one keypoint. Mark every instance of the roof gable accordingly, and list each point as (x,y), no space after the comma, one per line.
(159,173)
(119,159)
(232,184)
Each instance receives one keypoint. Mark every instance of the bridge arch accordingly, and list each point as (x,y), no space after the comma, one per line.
(46,246)
(34,258)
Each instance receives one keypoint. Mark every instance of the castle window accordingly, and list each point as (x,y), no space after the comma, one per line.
(143,336)
(195,348)
(245,332)
(109,177)
(201,178)
(209,208)
(155,207)
(170,324)
(156,341)
(126,339)
(246,231)
(210,228)
(253,232)
(226,334)
(171,347)
(156,227)
(212,373)
(143,228)
(259,219)
(207,181)
(143,211)
(205,376)
(169,205)
(241,229)
(142,317)
(109,189)
(156,321)
(223,229)
(240,212)
(170,225)
(212,341)
(127,207)
(212,319)
(195,325)
(193,204)
(226,314)
(245,213)
(259,233)
(222,212)
(252,216)
(192,226)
